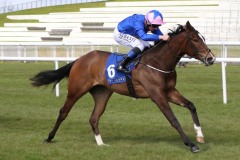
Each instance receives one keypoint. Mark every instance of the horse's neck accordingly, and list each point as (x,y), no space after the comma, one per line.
(168,55)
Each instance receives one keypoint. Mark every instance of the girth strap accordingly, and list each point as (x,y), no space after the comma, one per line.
(130,86)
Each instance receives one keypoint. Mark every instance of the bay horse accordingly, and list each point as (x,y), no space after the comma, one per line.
(154,77)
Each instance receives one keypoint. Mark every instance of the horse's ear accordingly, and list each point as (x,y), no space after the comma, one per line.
(189,26)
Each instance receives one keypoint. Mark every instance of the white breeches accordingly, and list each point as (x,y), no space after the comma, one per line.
(129,41)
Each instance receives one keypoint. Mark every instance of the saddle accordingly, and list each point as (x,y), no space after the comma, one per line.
(113,76)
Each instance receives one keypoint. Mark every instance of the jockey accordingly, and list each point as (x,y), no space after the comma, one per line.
(133,32)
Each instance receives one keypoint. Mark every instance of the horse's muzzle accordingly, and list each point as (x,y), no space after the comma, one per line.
(209,59)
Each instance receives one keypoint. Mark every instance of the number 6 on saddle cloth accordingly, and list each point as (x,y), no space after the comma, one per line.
(114,76)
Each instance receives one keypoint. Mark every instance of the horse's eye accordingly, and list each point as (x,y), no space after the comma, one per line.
(195,39)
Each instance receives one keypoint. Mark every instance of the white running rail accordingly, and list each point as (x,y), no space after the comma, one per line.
(224,60)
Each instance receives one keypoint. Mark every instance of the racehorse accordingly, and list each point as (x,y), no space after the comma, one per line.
(154,77)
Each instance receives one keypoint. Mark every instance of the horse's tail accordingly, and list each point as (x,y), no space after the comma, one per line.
(51,76)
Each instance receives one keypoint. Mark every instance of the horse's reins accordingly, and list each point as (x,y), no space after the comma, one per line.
(195,50)
(147,51)
(150,65)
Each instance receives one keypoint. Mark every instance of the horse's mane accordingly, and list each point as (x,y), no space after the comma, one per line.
(179,29)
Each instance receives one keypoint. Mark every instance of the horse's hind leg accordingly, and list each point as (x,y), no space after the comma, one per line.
(101,96)
(62,115)
(175,97)
(75,92)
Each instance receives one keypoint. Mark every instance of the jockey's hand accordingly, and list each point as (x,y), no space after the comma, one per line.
(164,37)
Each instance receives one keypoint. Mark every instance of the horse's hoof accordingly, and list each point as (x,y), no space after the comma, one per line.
(194,149)
(47,141)
(200,139)
(103,144)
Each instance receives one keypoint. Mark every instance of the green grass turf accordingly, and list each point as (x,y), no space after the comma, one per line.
(134,129)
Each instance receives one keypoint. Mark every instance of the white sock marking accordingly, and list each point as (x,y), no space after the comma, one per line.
(99,140)
(198,130)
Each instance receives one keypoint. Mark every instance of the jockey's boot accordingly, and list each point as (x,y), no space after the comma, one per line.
(122,67)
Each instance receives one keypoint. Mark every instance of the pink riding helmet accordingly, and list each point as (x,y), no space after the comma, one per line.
(154,17)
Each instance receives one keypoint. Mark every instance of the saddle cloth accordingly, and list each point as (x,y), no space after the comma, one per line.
(112,75)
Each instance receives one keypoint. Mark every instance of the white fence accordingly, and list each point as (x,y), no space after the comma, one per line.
(7,7)
(224,60)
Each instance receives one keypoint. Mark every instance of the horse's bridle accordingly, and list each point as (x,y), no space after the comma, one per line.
(195,50)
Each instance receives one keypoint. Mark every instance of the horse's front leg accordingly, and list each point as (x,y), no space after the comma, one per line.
(175,97)
(161,101)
